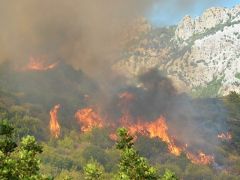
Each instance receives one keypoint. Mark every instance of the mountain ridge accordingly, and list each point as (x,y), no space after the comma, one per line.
(201,55)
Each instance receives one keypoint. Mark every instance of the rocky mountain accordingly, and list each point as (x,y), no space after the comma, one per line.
(202,55)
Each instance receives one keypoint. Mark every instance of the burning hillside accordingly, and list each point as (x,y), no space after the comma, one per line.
(151,110)
(89,119)
(79,72)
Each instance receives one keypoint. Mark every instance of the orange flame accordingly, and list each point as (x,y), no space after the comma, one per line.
(225,136)
(88,119)
(38,64)
(159,129)
(153,129)
(54,125)
(201,158)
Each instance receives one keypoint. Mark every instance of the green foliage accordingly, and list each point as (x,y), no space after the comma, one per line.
(66,142)
(232,103)
(69,175)
(210,90)
(7,145)
(125,141)
(169,175)
(237,75)
(28,125)
(211,31)
(132,166)
(93,171)
(100,137)
(18,162)
(27,157)
(158,147)
(195,172)
(96,153)
(65,157)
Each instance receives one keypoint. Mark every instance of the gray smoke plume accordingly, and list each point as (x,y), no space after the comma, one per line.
(85,33)
(190,120)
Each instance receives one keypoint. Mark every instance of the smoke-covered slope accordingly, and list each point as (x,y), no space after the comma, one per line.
(202,54)
(62,84)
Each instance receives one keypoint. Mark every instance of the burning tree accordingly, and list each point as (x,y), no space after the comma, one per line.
(53,124)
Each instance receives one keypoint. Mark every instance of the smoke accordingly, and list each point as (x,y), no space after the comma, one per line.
(190,120)
(86,34)
(83,33)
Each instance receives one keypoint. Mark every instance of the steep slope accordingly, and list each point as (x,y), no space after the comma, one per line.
(201,54)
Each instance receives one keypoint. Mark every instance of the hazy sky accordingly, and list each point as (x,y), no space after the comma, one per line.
(169,14)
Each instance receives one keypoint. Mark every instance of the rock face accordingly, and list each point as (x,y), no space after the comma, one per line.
(202,53)
(210,19)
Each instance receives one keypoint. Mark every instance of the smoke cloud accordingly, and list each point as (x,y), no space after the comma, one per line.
(86,34)
(83,33)
(190,120)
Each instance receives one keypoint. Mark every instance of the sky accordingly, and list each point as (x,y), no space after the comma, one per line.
(168,15)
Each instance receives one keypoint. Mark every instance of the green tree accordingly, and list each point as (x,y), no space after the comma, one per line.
(18,162)
(93,171)
(27,161)
(95,152)
(169,175)
(134,167)
(7,147)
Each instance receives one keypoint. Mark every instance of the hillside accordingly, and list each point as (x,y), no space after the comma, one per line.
(201,55)
(157,103)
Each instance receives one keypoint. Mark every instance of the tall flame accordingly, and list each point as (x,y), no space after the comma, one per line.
(88,119)
(159,129)
(54,125)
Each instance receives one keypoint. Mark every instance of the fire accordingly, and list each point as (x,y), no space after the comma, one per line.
(159,129)
(201,158)
(39,64)
(54,125)
(225,136)
(88,119)
(153,129)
